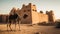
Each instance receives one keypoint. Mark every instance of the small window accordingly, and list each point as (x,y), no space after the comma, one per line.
(33,9)
(25,16)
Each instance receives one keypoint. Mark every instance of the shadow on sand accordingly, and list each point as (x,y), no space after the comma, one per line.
(9,30)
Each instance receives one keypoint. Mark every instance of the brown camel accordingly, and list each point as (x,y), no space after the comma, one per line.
(13,19)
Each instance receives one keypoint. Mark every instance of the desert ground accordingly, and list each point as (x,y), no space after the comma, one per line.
(29,29)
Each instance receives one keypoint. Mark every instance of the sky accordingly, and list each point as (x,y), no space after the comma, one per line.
(44,5)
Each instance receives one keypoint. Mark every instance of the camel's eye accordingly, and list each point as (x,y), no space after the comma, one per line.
(25,16)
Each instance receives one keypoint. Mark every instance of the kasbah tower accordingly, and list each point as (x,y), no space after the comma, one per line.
(29,15)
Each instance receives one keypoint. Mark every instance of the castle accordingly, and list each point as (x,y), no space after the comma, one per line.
(29,15)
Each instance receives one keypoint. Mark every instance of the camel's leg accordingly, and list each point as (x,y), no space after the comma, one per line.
(15,24)
(19,25)
(7,26)
(10,25)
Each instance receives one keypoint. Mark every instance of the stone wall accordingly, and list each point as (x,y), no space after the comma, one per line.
(39,18)
(3,18)
(43,17)
(35,17)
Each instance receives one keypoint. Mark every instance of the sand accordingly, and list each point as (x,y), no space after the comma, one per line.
(26,29)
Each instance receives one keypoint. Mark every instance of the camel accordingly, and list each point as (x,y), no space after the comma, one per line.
(13,19)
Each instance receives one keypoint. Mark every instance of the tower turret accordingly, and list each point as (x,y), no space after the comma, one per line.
(51,16)
(47,12)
